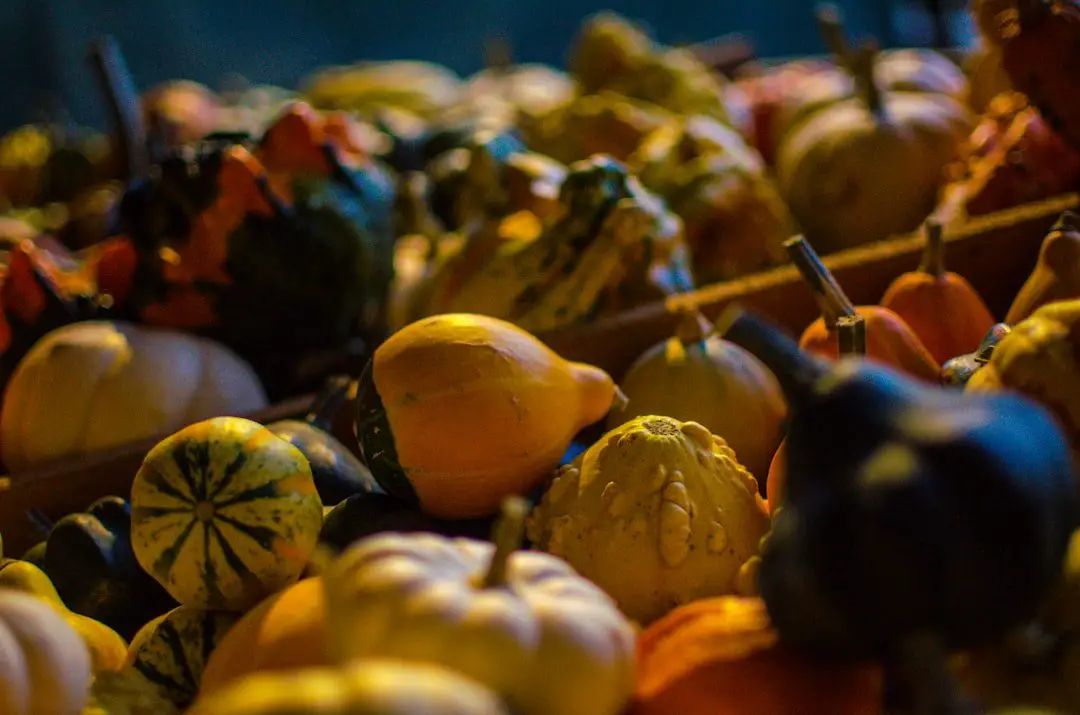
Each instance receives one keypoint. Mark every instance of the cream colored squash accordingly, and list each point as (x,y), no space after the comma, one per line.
(658,513)
(367,687)
(44,666)
(94,385)
(521,623)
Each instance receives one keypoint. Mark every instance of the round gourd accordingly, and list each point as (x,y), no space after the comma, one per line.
(714,383)
(171,650)
(127,693)
(285,632)
(94,385)
(658,513)
(224,513)
(370,687)
(44,666)
(863,169)
(458,411)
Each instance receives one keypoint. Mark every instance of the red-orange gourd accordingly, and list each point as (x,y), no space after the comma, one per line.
(721,656)
(941,307)
(889,339)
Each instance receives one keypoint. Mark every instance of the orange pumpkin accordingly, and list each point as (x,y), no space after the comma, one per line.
(889,339)
(943,309)
(721,656)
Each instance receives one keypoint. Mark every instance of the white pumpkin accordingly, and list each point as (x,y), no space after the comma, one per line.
(368,687)
(44,665)
(521,623)
(94,385)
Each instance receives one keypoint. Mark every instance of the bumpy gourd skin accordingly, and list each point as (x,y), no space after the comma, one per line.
(658,513)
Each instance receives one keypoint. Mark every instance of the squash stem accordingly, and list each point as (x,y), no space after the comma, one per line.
(933,259)
(864,62)
(693,328)
(498,54)
(831,26)
(123,102)
(507,535)
(851,335)
(828,294)
(797,372)
(328,402)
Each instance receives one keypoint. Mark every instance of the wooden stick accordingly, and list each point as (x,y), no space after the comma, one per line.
(828,294)
(933,258)
(851,335)
(123,102)
(831,26)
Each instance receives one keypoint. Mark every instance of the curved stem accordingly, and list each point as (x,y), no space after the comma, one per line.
(328,402)
(693,328)
(851,335)
(933,259)
(507,535)
(828,294)
(863,65)
(831,26)
(123,101)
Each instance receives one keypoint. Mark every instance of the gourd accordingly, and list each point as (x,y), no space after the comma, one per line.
(1036,359)
(105,647)
(657,513)
(423,88)
(369,687)
(492,419)
(889,340)
(287,631)
(958,371)
(127,693)
(224,513)
(171,650)
(338,474)
(698,377)
(722,656)
(863,169)
(879,474)
(180,111)
(522,622)
(44,667)
(940,307)
(89,559)
(1056,275)
(94,385)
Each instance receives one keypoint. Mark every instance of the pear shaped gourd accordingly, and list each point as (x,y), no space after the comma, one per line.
(1056,275)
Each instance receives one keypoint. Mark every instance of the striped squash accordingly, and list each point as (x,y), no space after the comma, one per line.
(171,651)
(224,513)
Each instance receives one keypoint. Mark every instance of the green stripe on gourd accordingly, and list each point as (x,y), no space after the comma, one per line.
(224,513)
(171,651)
(376,438)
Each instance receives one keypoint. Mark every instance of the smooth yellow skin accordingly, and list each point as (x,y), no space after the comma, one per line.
(368,687)
(107,649)
(548,641)
(658,513)
(44,666)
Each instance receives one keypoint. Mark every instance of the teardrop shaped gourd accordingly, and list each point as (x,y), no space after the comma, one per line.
(889,340)
(458,411)
(941,307)
(1057,273)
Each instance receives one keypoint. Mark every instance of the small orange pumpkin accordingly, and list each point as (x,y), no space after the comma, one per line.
(721,656)
(889,339)
(943,309)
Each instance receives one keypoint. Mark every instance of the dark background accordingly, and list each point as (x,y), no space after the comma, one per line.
(42,42)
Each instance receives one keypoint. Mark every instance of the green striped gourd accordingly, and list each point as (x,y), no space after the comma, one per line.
(224,513)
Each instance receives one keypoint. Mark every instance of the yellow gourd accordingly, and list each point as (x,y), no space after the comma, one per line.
(44,666)
(658,513)
(94,385)
(458,411)
(127,693)
(368,687)
(107,649)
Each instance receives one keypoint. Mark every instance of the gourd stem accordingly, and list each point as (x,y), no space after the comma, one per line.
(828,294)
(797,372)
(1068,221)
(933,259)
(123,102)
(328,402)
(851,335)
(498,54)
(507,535)
(693,328)
(864,62)
(831,25)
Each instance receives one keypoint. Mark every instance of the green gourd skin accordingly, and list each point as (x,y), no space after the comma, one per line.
(909,510)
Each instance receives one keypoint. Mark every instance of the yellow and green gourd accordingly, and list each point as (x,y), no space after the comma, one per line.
(224,513)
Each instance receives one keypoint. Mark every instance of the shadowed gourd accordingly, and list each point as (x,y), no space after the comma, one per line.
(958,371)
(1056,275)
(880,551)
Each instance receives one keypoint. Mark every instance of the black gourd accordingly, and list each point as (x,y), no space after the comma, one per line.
(909,510)
(337,471)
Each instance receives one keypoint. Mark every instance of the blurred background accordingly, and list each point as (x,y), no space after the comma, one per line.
(43,42)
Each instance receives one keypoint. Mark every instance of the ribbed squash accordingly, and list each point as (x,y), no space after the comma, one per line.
(171,650)
(457,412)
(224,513)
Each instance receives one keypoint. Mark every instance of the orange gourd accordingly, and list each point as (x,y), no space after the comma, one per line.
(777,480)
(889,339)
(1056,276)
(285,632)
(943,309)
(721,656)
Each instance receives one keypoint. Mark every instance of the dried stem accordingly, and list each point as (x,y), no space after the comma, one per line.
(693,327)
(507,535)
(865,61)
(831,25)
(933,258)
(828,294)
(851,335)
(123,102)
